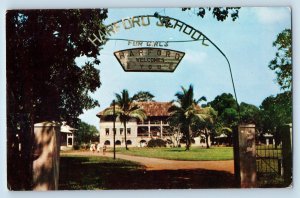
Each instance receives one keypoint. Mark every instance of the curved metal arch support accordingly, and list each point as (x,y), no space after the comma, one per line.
(206,38)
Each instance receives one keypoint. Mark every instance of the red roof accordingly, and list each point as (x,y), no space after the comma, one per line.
(155,108)
(152,108)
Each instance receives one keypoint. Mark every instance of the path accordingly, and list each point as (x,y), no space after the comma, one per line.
(163,164)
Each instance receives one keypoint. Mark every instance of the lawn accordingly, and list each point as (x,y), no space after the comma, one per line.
(94,173)
(195,154)
(90,173)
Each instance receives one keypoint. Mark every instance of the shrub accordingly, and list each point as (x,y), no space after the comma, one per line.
(76,147)
(156,143)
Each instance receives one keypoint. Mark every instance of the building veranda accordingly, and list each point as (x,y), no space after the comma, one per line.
(139,133)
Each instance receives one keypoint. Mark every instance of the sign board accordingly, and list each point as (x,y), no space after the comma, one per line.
(149,59)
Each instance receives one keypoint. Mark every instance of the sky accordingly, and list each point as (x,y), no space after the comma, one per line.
(247,42)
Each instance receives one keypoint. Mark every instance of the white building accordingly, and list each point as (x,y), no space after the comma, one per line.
(66,136)
(139,133)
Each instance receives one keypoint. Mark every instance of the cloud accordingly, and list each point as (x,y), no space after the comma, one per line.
(272,15)
(195,56)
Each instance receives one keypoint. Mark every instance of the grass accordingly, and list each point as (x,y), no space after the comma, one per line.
(92,173)
(195,154)
(87,173)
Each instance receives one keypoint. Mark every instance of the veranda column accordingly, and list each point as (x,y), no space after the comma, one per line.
(161,129)
(149,129)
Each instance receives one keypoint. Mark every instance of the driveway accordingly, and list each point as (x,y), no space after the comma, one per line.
(163,164)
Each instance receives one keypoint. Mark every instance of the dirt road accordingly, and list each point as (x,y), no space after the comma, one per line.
(162,164)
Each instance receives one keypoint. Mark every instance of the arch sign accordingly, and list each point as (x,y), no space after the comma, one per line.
(147,58)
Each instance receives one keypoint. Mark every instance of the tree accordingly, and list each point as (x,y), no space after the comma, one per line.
(249,113)
(185,111)
(282,63)
(205,123)
(275,112)
(226,107)
(85,133)
(221,13)
(43,80)
(125,110)
(143,96)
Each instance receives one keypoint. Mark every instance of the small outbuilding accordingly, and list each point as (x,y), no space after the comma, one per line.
(66,136)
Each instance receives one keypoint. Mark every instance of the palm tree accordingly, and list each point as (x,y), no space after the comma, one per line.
(208,117)
(143,96)
(126,109)
(185,111)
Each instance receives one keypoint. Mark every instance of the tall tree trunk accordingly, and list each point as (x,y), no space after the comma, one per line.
(125,131)
(206,138)
(188,139)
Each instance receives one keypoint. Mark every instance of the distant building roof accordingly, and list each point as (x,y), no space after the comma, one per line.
(156,108)
(151,108)
(66,128)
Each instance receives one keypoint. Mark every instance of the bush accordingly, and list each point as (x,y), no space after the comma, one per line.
(76,147)
(156,143)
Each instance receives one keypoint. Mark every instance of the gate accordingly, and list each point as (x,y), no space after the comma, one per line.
(269,168)
(274,160)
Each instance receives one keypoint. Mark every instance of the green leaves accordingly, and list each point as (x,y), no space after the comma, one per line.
(188,116)
(143,96)
(276,111)
(85,133)
(220,13)
(282,63)
(41,50)
(125,108)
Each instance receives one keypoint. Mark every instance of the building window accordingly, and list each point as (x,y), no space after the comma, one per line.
(107,131)
(121,131)
(129,142)
(128,131)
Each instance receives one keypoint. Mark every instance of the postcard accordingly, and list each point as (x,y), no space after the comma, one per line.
(152,98)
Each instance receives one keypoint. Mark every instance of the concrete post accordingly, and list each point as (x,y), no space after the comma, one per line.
(46,156)
(247,155)
(287,160)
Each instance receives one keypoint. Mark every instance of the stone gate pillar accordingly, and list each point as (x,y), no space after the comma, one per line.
(247,155)
(46,156)
(287,156)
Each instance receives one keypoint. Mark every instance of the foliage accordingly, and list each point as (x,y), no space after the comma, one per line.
(282,63)
(175,134)
(125,109)
(228,115)
(220,13)
(85,133)
(43,80)
(249,113)
(156,143)
(276,111)
(76,146)
(143,96)
(222,102)
(41,69)
(206,124)
(226,107)
(184,112)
